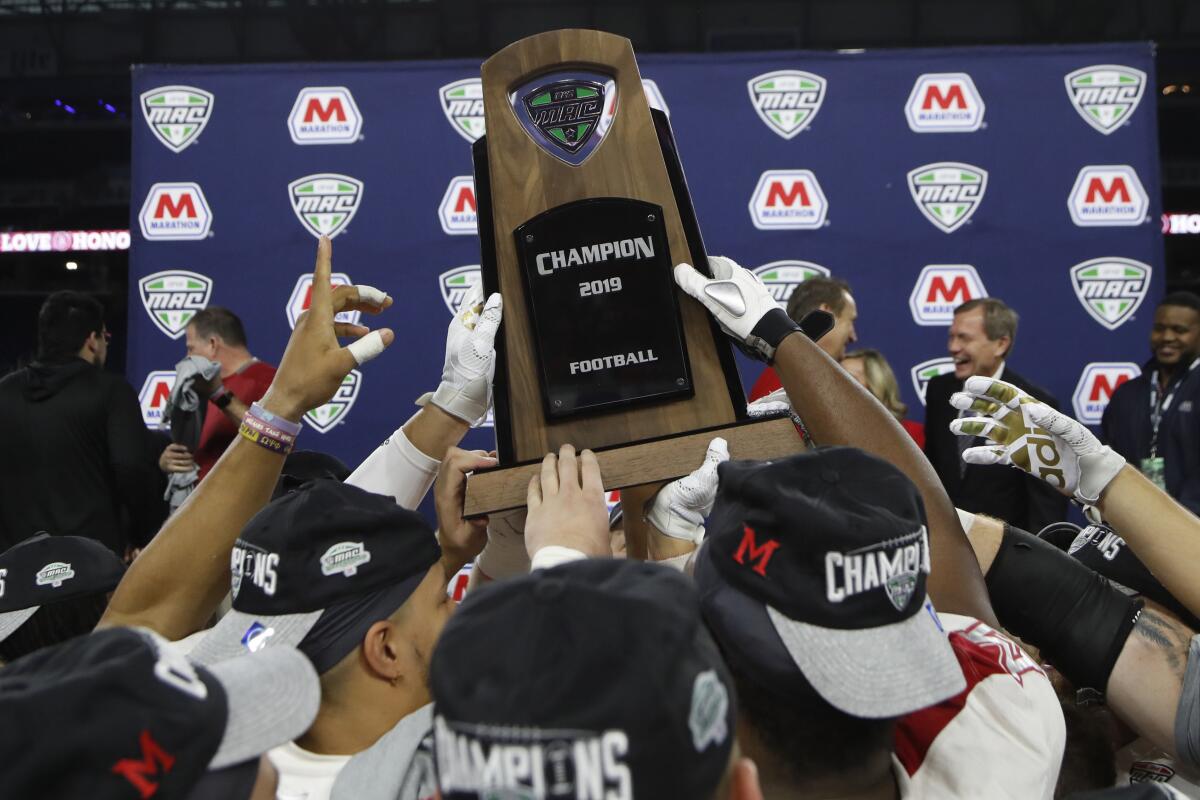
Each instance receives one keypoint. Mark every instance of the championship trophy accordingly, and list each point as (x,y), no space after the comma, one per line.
(583,212)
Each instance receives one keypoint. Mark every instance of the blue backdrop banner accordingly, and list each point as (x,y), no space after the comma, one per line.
(924,178)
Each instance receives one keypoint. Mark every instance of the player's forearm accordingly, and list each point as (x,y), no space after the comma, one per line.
(176,583)
(838,411)
(433,431)
(1163,534)
(403,468)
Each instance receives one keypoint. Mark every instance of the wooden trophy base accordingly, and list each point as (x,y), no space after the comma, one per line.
(649,461)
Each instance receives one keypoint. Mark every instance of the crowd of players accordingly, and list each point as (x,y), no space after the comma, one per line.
(825,625)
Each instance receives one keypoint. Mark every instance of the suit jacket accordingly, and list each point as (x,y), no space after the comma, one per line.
(999,491)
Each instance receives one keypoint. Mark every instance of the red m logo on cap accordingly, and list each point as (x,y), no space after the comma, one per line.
(138,772)
(750,548)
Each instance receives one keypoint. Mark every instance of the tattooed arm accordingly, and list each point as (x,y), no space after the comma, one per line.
(1147,680)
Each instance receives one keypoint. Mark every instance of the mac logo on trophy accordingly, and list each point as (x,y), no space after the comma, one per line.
(583,213)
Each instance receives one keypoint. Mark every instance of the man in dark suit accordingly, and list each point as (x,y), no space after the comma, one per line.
(981,338)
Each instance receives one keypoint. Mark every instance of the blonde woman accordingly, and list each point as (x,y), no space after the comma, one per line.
(872,370)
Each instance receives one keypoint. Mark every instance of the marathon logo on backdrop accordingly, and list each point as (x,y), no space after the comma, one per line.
(926,371)
(638,248)
(455,284)
(261,567)
(1105,95)
(54,573)
(940,289)
(1111,289)
(459,212)
(944,102)
(947,193)
(153,396)
(324,418)
(787,100)
(894,566)
(782,277)
(175,212)
(1108,195)
(503,761)
(301,299)
(173,297)
(325,203)
(177,114)
(1096,386)
(324,115)
(462,103)
(788,199)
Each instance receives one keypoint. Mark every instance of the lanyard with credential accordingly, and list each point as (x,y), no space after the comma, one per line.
(1158,411)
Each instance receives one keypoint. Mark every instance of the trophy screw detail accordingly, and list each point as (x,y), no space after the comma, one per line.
(528,238)
(680,382)
(558,403)
(650,218)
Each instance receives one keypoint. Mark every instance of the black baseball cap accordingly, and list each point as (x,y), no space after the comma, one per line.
(595,673)
(45,569)
(1101,550)
(302,466)
(119,715)
(316,568)
(813,574)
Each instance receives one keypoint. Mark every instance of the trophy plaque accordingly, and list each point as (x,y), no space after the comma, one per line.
(583,212)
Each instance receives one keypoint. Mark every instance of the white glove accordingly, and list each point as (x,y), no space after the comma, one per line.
(680,508)
(1034,438)
(466,388)
(742,305)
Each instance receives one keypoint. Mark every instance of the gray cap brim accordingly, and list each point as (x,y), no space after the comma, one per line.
(272,698)
(387,770)
(224,640)
(11,620)
(875,673)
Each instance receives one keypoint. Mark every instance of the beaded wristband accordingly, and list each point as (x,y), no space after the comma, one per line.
(269,431)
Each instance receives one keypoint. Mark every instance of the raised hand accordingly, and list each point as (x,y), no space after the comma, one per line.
(314,364)
(742,305)
(566,505)
(1035,438)
(466,388)
(680,508)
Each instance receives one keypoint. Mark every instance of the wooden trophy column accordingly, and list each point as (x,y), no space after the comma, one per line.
(583,211)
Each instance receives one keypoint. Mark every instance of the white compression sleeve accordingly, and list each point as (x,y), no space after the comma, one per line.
(397,469)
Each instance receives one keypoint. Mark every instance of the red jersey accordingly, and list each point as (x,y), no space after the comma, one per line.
(247,384)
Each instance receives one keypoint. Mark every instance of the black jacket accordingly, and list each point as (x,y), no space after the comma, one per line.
(999,491)
(75,457)
(1126,427)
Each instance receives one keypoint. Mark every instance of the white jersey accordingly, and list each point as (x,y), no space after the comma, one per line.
(1001,737)
(1142,762)
(304,775)
(396,766)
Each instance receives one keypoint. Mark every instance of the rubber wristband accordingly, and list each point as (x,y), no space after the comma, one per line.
(263,440)
(264,429)
(285,425)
